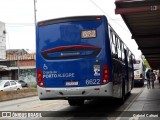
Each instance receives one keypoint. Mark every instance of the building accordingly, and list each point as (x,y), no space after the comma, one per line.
(15,63)
(19,64)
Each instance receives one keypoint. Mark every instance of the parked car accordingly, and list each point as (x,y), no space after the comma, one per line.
(6,85)
(23,83)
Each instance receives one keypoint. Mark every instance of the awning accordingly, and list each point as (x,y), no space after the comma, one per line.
(143,20)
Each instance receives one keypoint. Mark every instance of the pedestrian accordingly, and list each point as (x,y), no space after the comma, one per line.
(158,77)
(148,78)
(152,78)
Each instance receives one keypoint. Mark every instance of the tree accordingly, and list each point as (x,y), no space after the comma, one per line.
(145,62)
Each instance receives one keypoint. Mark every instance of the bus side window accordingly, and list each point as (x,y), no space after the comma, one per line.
(116,46)
(122,50)
(119,50)
(125,51)
(130,59)
(133,60)
(115,43)
(113,50)
(112,39)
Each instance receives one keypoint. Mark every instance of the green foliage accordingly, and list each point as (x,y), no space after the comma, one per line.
(145,62)
(34,86)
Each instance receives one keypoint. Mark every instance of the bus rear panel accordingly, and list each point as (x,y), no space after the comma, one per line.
(73,58)
(139,72)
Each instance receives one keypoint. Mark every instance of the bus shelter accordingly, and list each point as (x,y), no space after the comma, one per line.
(142,17)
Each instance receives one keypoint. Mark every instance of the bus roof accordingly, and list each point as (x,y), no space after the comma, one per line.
(70,19)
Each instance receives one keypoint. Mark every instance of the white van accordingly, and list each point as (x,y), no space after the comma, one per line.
(139,72)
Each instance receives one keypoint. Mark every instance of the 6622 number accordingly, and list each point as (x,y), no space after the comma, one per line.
(92,81)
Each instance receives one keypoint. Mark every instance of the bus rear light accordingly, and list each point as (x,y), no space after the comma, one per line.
(40,80)
(105,75)
(98,18)
(41,24)
(104,81)
(105,71)
(41,84)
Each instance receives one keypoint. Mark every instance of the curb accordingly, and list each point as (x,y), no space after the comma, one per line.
(17,94)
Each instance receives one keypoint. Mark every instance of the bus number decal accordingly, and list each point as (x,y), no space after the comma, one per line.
(92,81)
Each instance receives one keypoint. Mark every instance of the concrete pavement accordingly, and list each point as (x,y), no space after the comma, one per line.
(146,106)
(148,100)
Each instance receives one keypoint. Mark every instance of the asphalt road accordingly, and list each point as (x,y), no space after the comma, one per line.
(60,109)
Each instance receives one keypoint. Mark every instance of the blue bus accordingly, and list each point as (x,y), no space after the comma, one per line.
(81,58)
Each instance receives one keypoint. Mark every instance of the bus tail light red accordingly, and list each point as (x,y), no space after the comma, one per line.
(40,80)
(105,75)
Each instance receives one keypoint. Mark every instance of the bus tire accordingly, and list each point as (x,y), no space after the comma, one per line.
(76,102)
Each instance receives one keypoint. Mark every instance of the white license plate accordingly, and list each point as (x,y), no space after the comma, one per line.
(72,83)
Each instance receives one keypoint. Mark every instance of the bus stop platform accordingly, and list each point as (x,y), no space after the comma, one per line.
(146,105)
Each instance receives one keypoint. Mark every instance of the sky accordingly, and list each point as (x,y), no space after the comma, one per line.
(19,19)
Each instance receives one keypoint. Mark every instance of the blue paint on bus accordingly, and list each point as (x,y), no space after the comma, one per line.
(83,58)
(79,67)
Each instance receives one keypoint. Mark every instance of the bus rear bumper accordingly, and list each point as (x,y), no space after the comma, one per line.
(140,80)
(75,92)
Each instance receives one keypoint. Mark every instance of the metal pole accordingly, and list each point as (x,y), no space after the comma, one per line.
(35,19)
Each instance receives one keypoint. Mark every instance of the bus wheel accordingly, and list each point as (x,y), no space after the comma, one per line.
(76,102)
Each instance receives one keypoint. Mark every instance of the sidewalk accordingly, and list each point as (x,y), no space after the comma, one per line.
(147,101)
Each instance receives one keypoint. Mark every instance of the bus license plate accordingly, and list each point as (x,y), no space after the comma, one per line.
(73,83)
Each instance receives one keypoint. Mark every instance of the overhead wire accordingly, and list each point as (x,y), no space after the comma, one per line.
(107,15)
(114,20)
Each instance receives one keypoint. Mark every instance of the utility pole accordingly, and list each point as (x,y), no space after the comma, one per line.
(35,19)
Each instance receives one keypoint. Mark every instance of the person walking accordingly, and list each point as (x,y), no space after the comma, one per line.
(158,77)
(152,78)
(148,78)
